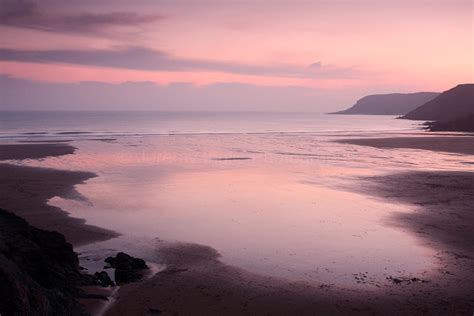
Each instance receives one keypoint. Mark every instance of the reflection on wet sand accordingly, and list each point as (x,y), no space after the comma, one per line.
(266,216)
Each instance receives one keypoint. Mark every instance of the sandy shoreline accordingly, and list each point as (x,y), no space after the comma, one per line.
(26,190)
(197,282)
(34,151)
(452,144)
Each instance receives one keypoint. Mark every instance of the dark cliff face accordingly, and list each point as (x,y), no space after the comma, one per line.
(453,104)
(389,104)
(463,124)
(39,271)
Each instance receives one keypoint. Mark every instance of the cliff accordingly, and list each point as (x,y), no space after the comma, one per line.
(39,271)
(389,104)
(450,105)
(463,124)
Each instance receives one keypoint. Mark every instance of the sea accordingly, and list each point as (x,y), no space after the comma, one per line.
(81,124)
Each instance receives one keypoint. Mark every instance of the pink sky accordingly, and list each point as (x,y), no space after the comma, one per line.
(379,46)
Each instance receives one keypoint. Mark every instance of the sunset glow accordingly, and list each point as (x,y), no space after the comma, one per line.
(360,46)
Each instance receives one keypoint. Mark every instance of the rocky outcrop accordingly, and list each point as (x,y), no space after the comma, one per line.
(102,278)
(450,105)
(389,104)
(464,124)
(39,271)
(127,268)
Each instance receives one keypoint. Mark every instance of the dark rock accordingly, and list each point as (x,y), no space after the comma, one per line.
(127,268)
(125,261)
(103,279)
(463,124)
(400,280)
(39,271)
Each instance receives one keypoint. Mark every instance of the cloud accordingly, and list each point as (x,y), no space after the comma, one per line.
(26,14)
(315,65)
(19,94)
(140,58)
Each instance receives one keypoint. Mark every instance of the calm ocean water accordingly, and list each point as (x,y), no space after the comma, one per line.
(72,125)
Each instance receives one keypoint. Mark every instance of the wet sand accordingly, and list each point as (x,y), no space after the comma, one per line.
(34,151)
(196,282)
(452,144)
(26,190)
(444,215)
(443,220)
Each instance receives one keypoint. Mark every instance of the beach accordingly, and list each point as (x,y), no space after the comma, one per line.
(26,191)
(236,158)
(197,279)
(461,144)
